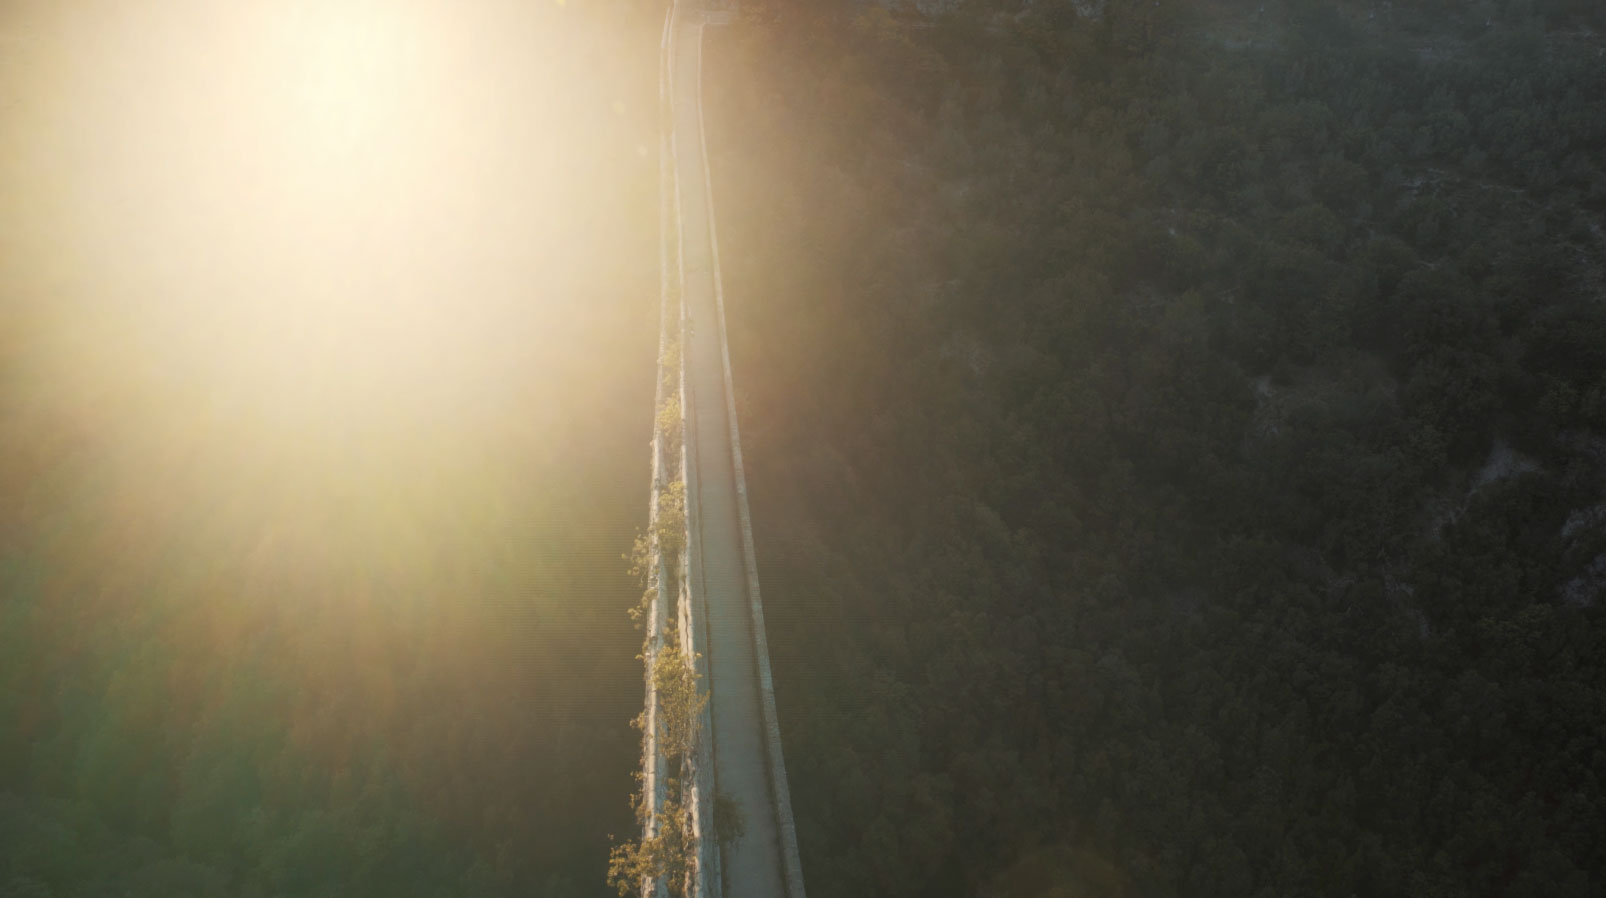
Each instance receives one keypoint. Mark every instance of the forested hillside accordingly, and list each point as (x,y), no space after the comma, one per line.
(320,443)
(1178,441)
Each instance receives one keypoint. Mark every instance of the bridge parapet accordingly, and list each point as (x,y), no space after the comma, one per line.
(733,651)
(671,612)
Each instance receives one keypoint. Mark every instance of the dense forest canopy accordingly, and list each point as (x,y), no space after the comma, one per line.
(323,424)
(1178,440)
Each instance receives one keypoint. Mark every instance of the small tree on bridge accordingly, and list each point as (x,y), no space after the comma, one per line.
(667,849)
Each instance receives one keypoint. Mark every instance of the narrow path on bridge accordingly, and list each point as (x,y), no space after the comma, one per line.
(753,868)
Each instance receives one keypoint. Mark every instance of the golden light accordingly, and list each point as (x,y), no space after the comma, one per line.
(347,70)
(329,249)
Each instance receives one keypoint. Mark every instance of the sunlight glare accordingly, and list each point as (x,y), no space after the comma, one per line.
(265,249)
(346,69)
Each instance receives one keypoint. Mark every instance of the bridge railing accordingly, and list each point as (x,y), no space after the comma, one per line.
(673,599)
(658,585)
(692,607)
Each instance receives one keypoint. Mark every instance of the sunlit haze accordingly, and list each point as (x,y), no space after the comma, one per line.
(320,256)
